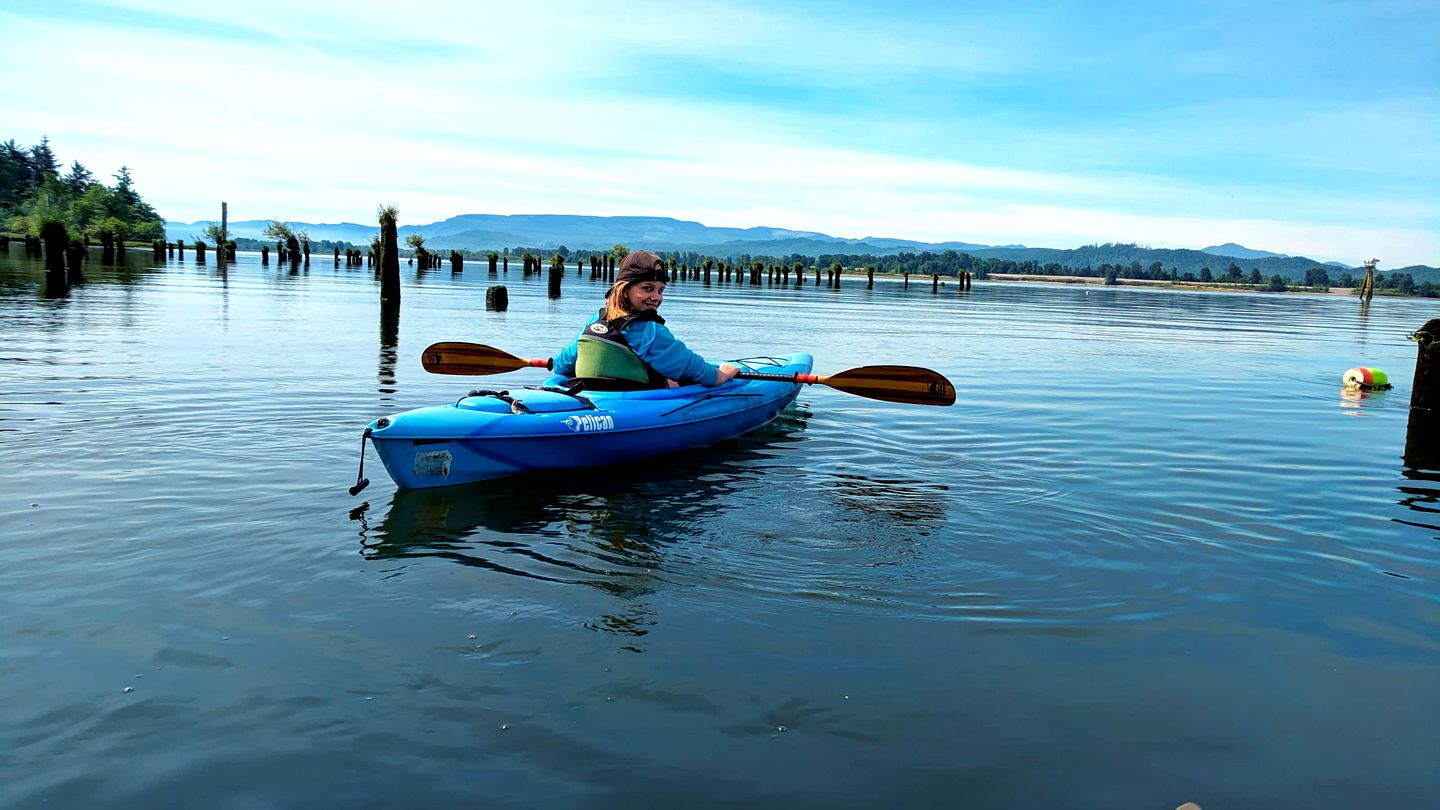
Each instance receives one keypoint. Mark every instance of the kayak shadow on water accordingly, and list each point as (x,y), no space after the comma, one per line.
(604,527)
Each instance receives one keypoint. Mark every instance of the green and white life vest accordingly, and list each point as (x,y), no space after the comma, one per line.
(605,360)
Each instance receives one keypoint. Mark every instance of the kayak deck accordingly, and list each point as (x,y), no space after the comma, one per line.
(495,433)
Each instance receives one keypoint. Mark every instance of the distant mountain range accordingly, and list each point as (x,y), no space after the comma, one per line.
(550,231)
(1241,252)
(546,232)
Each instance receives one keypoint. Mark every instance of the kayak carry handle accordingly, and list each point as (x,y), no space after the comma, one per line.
(360,480)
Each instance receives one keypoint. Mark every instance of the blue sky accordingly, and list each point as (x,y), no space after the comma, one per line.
(1304,128)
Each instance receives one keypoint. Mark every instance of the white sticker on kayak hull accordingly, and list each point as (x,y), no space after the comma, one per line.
(432,462)
(589,423)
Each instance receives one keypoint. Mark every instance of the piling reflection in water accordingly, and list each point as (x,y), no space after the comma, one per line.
(389,350)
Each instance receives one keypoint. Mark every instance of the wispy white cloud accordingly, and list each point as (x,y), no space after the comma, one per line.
(316,113)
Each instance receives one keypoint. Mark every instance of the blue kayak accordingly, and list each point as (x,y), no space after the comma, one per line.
(490,434)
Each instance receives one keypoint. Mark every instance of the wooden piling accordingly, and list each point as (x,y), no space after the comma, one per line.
(497,298)
(1422,437)
(505,264)
(1367,287)
(557,273)
(389,259)
(934,282)
(494,259)
(55,239)
(265,255)
(200,251)
(170,250)
(337,256)
(74,261)
(457,261)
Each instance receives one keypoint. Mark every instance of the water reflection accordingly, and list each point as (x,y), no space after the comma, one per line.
(1422,499)
(389,353)
(607,528)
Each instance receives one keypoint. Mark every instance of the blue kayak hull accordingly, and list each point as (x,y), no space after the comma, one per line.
(542,428)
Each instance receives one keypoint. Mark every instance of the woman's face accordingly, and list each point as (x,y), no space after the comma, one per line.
(644,296)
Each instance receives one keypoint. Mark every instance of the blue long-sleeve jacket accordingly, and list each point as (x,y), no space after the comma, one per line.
(659,348)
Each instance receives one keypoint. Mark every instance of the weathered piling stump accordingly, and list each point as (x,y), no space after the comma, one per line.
(170,250)
(869,276)
(157,250)
(307,252)
(230,248)
(389,259)
(337,255)
(1422,437)
(200,248)
(457,261)
(74,262)
(56,239)
(934,282)
(265,255)
(505,265)
(497,298)
(557,273)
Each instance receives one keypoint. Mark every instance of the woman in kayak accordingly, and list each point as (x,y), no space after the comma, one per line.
(626,345)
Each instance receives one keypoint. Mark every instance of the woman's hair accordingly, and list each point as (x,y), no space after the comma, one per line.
(615,300)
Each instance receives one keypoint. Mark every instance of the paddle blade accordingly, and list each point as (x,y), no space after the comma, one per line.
(909,384)
(472,359)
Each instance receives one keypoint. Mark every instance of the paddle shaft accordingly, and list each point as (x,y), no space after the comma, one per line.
(907,384)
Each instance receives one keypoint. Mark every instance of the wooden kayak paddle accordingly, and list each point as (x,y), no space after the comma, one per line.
(907,384)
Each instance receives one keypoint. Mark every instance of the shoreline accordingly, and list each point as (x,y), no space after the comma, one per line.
(1099,281)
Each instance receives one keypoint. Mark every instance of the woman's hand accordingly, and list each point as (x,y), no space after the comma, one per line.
(727,373)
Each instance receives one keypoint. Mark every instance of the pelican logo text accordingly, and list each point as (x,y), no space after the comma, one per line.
(588,423)
(599,328)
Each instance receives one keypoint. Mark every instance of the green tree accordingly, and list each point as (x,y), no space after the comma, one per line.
(43,158)
(79,179)
(1277,283)
(619,252)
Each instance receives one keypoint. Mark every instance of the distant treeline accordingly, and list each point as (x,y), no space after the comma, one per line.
(1225,271)
(33,191)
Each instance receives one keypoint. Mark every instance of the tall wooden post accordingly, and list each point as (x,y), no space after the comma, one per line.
(1422,438)
(1367,287)
(220,247)
(389,255)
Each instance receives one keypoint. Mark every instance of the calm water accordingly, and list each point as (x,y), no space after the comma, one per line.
(1153,555)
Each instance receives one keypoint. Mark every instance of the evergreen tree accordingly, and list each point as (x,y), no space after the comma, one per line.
(43,158)
(79,178)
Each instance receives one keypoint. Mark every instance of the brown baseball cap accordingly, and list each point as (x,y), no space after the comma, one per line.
(642,265)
